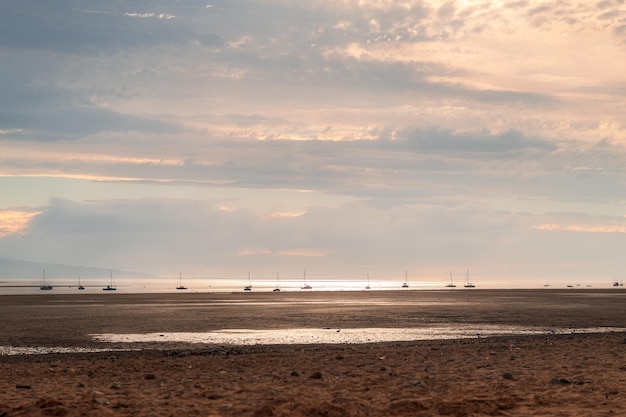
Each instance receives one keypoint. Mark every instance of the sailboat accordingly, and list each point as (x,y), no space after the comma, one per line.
(249,286)
(180,285)
(110,287)
(80,287)
(277,289)
(44,286)
(451,284)
(368,282)
(305,286)
(405,284)
(468,284)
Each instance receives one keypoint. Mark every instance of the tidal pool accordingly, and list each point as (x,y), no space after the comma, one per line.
(335,336)
(302,336)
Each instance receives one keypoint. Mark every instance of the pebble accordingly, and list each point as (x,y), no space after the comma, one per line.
(508,375)
(315,375)
(99,398)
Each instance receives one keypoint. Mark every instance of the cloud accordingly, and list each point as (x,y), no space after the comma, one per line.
(445,141)
(13,221)
(157,235)
(78,122)
(582,228)
(288,214)
(163,236)
(88,27)
(150,15)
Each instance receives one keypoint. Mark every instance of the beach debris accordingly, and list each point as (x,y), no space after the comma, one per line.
(98,397)
(52,407)
(565,381)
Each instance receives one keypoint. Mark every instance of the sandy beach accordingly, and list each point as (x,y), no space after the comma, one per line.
(549,374)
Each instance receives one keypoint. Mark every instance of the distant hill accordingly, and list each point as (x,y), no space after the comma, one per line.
(25,270)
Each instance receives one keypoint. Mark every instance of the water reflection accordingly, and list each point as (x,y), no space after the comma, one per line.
(303,336)
(336,336)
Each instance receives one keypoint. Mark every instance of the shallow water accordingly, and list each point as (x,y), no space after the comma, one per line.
(303,336)
(40,350)
(336,336)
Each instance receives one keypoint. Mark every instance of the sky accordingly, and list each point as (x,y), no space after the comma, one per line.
(347,137)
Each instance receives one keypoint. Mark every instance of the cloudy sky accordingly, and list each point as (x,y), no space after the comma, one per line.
(346,137)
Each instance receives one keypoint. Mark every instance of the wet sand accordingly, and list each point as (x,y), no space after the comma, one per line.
(548,375)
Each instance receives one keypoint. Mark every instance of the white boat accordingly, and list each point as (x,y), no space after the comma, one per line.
(305,286)
(180,285)
(110,287)
(468,284)
(249,286)
(277,289)
(43,286)
(405,284)
(451,284)
(368,282)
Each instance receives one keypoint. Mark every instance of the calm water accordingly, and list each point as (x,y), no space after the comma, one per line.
(251,337)
(203,285)
(340,336)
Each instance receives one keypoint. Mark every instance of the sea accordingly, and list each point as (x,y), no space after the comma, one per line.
(228,285)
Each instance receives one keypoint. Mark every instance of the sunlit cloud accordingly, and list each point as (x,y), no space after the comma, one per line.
(303,253)
(147,15)
(10,131)
(12,221)
(26,155)
(582,228)
(246,252)
(287,214)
